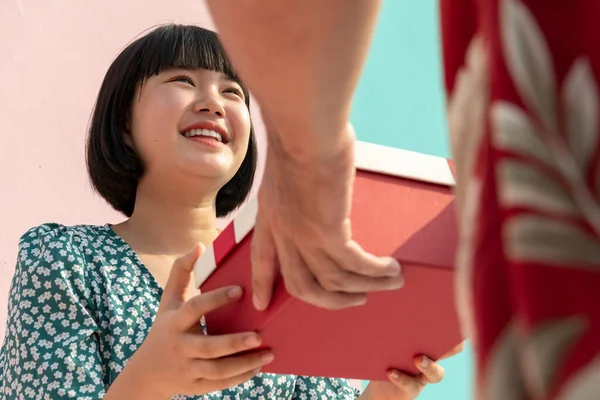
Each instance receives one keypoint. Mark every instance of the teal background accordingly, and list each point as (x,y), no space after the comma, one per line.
(400,103)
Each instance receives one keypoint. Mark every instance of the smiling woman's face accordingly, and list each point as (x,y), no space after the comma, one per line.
(190,122)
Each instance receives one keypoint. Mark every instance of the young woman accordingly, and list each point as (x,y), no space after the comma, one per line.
(110,311)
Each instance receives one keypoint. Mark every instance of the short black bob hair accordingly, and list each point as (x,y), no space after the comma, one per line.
(114,168)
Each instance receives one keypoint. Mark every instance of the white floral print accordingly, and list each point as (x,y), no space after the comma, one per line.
(81,303)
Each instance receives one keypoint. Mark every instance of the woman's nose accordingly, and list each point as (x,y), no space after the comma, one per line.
(210,103)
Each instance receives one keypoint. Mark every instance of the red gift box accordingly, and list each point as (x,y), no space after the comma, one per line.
(402,207)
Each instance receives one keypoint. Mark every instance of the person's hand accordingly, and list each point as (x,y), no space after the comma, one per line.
(402,386)
(303,231)
(176,358)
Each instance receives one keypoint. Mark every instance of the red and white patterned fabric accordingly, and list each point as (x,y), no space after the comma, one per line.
(522,83)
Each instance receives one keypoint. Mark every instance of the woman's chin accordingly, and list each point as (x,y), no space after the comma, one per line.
(219,173)
(209,164)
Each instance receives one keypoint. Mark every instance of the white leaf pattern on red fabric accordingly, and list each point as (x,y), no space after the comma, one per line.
(528,59)
(530,64)
(514,131)
(542,171)
(546,348)
(585,385)
(580,99)
(539,239)
(503,372)
(530,188)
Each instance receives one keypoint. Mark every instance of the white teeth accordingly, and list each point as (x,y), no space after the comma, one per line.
(203,132)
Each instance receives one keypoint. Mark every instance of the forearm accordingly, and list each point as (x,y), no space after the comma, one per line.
(302,61)
(130,386)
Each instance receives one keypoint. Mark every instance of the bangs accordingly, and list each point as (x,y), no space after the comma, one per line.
(186,47)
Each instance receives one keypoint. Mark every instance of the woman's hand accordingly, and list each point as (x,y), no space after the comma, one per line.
(176,358)
(405,387)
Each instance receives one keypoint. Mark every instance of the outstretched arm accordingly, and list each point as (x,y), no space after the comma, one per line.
(302,60)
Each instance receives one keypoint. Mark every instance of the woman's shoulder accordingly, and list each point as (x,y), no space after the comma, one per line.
(57,244)
(72,257)
(78,238)
(55,232)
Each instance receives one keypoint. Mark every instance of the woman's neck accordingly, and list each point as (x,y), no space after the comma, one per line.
(170,224)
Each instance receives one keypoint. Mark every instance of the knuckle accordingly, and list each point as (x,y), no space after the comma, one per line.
(181,369)
(213,370)
(171,328)
(403,382)
(177,348)
(235,344)
(300,289)
(255,249)
(256,283)
(261,252)
(180,263)
(243,342)
(439,376)
(204,350)
(293,287)
(381,284)
(333,281)
(191,304)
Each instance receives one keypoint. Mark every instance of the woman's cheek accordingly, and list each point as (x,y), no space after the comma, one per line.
(243,124)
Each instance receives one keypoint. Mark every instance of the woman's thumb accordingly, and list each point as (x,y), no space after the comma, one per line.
(179,279)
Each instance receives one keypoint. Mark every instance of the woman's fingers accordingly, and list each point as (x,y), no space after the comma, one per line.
(212,347)
(409,385)
(193,309)
(232,366)
(173,295)
(208,386)
(432,372)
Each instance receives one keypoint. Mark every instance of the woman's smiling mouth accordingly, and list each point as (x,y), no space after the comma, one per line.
(207,133)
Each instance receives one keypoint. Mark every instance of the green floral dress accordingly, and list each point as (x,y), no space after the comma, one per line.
(81,303)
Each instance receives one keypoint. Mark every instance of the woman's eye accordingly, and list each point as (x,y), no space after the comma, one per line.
(235,91)
(184,79)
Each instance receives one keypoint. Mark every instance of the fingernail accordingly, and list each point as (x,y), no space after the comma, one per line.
(394,374)
(252,341)
(361,302)
(267,358)
(393,266)
(234,292)
(257,303)
(255,371)
(425,362)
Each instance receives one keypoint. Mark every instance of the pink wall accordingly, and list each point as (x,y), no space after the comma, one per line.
(53,57)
